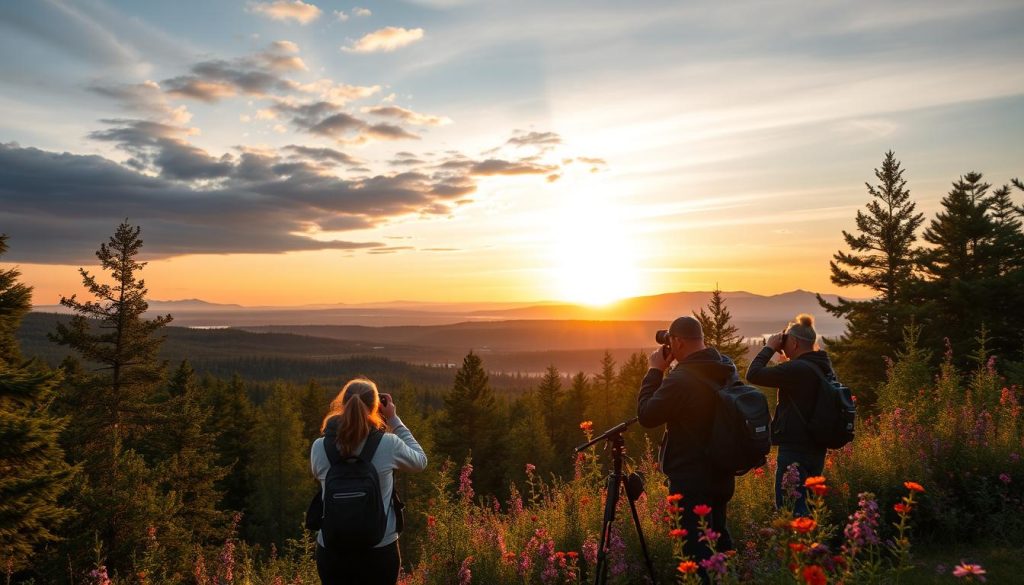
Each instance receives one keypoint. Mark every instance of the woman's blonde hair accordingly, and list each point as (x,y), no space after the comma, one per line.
(802,328)
(358,405)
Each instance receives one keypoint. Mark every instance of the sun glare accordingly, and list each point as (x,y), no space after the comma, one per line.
(593,256)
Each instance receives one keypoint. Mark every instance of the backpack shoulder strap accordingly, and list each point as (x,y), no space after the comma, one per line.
(370,448)
(817,370)
(333,455)
(705,379)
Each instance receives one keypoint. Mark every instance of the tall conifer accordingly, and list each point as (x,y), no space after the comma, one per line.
(720,333)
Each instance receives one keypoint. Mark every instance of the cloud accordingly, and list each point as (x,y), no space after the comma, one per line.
(341,16)
(257,75)
(385,40)
(337,93)
(544,139)
(325,155)
(361,12)
(503,167)
(327,119)
(295,10)
(146,98)
(408,115)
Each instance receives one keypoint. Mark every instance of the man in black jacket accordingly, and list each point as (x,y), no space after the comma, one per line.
(684,400)
(798,385)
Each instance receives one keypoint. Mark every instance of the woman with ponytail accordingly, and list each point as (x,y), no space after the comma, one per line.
(798,382)
(357,411)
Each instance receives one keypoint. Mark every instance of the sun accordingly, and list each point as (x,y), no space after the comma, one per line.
(593,257)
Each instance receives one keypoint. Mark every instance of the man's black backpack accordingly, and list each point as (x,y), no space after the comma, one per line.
(832,422)
(740,433)
(353,509)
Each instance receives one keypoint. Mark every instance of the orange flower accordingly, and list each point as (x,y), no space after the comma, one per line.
(678,533)
(687,567)
(674,497)
(587,426)
(902,508)
(913,486)
(701,510)
(813,481)
(814,575)
(572,554)
(803,525)
(819,490)
(797,547)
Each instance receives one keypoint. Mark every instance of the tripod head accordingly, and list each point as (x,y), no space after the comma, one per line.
(613,434)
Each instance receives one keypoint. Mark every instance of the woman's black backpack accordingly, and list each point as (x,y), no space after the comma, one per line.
(353,509)
(832,422)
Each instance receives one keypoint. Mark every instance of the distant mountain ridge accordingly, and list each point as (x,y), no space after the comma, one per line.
(746,308)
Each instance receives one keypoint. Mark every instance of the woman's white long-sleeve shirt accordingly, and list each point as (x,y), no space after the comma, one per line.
(398,450)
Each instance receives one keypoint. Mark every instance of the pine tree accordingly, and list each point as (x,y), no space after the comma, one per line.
(549,394)
(190,471)
(470,422)
(1002,291)
(959,265)
(881,259)
(111,333)
(602,393)
(232,421)
(111,408)
(33,474)
(720,333)
(279,472)
(312,407)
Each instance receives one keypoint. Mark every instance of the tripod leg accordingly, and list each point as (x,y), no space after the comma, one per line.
(611,501)
(643,541)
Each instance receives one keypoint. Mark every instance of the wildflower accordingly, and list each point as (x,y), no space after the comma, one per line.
(902,508)
(530,468)
(797,547)
(687,567)
(1005,478)
(617,553)
(465,575)
(862,530)
(969,572)
(701,510)
(803,525)
(674,498)
(715,564)
(759,472)
(913,486)
(814,575)
(465,483)
(431,521)
(587,426)
(791,481)
(590,551)
(817,485)
(99,576)
(509,557)
(710,536)
(677,533)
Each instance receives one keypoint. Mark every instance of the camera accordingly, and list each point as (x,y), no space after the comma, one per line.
(661,336)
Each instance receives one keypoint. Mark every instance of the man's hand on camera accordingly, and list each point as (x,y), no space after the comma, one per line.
(774,342)
(389,410)
(658,359)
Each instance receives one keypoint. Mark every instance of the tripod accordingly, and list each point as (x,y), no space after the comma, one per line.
(634,485)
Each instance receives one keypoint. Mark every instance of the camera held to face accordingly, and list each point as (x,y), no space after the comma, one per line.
(661,336)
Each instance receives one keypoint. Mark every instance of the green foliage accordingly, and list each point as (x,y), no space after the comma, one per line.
(15,303)
(232,421)
(720,333)
(279,476)
(881,259)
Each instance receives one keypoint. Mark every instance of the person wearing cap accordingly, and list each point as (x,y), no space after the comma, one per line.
(798,383)
(683,399)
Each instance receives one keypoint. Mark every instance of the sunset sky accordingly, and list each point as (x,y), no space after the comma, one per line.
(283,153)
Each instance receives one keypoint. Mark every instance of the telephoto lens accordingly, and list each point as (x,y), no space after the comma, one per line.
(661,336)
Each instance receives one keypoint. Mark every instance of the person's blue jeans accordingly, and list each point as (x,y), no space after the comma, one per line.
(809,464)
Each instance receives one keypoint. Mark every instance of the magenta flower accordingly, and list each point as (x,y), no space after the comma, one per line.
(1005,478)
(465,483)
(969,572)
(465,575)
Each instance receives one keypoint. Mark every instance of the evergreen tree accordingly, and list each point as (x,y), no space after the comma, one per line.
(602,393)
(628,381)
(190,472)
(720,333)
(15,303)
(232,422)
(1002,291)
(111,408)
(470,423)
(881,259)
(959,265)
(279,471)
(111,333)
(33,474)
(549,395)
(313,406)
(528,437)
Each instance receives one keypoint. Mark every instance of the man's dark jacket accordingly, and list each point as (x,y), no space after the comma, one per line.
(685,404)
(798,386)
